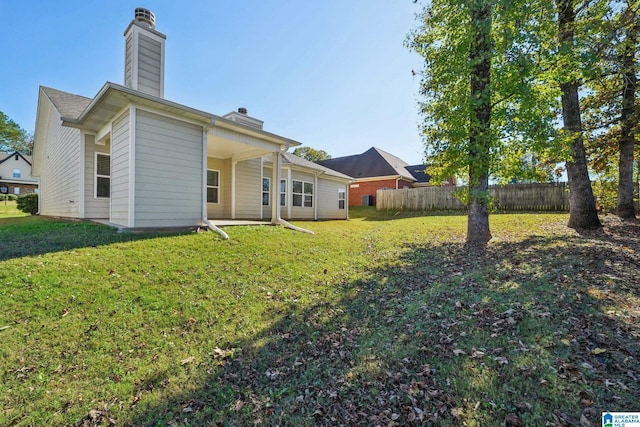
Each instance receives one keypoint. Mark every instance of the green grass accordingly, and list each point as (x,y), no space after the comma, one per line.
(377,320)
(8,209)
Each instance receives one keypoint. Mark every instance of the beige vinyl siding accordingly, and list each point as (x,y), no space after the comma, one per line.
(128,61)
(120,171)
(93,207)
(327,196)
(249,189)
(298,212)
(223,209)
(149,65)
(59,181)
(168,173)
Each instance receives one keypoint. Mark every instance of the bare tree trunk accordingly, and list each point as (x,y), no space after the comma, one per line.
(626,208)
(582,205)
(478,233)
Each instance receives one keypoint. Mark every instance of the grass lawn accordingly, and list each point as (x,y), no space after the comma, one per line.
(380,320)
(8,210)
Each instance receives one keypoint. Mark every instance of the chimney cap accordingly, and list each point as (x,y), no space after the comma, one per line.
(242,110)
(145,16)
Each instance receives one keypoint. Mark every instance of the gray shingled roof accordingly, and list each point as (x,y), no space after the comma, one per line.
(372,163)
(68,105)
(292,159)
(418,173)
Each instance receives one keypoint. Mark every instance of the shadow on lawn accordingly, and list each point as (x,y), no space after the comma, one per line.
(526,336)
(32,236)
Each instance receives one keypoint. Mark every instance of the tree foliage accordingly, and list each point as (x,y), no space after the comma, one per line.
(311,154)
(522,116)
(486,111)
(13,137)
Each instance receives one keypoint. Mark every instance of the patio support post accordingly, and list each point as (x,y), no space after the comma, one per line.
(275,188)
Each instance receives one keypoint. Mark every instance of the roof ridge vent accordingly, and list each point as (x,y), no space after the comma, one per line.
(145,16)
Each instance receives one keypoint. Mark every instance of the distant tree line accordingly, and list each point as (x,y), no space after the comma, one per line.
(13,137)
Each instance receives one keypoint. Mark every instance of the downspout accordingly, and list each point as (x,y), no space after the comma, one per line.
(275,197)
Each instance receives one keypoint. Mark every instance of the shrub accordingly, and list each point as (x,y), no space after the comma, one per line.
(9,197)
(28,203)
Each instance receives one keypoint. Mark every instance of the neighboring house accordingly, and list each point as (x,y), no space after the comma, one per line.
(15,174)
(372,170)
(137,160)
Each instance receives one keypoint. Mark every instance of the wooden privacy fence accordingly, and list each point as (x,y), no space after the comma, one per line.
(511,197)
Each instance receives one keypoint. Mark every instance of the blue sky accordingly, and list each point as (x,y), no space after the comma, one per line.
(332,74)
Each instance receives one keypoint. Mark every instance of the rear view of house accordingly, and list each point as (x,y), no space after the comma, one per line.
(138,160)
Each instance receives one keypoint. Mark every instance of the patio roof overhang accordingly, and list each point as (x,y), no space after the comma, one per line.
(225,138)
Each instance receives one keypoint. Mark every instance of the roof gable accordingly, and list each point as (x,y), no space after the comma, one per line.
(372,163)
(67,104)
(10,155)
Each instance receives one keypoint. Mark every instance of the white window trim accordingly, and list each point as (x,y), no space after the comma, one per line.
(268,191)
(16,191)
(96,176)
(17,172)
(342,197)
(303,194)
(283,193)
(214,186)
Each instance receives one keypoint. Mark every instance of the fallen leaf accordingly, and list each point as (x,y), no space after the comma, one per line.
(513,421)
(501,360)
(458,352)
(187,360)
(477,354)
(584,422)
(598,350)
(457,412)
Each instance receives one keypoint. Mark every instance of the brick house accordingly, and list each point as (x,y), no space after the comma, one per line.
(373,170)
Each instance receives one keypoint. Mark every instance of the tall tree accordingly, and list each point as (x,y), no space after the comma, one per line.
(480,55)
(628,113)
(611,106)
(484,113)
(582,205)
(13,137)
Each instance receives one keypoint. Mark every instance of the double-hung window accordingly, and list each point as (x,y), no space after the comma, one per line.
(266,191)
(342,198)
(103,175)
(17,173)
(213,186)
(302,193)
